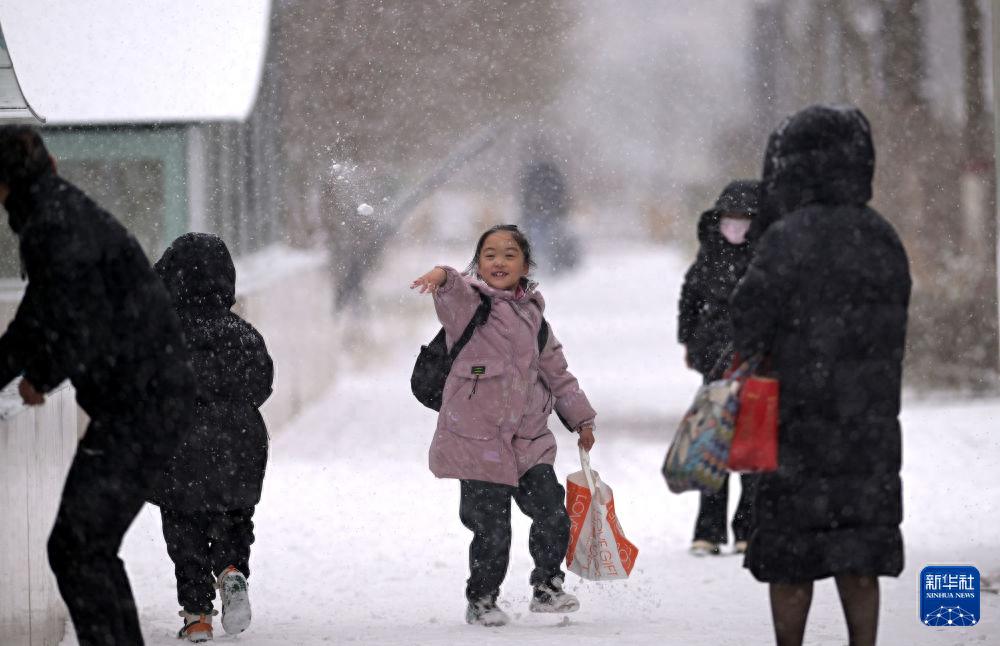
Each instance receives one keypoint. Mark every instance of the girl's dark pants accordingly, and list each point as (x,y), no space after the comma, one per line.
(485,509)
(712,512)
(202,544)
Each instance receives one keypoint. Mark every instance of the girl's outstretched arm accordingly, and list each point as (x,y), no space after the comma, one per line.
(431,281)
(455,300)
(570,401)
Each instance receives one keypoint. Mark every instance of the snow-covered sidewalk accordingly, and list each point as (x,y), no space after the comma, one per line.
(358,543)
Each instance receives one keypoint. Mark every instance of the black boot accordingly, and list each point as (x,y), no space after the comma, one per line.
(550,597)
(485,612)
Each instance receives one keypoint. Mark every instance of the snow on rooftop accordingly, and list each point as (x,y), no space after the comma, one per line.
(107,61)
(13,107)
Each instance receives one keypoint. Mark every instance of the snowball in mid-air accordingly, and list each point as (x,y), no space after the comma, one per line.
(365,209)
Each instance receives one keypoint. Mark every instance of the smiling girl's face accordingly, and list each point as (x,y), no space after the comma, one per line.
(501,261)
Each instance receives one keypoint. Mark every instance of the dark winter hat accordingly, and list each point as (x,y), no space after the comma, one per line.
(822,154)
(198,271)
(739,196)
(23,156)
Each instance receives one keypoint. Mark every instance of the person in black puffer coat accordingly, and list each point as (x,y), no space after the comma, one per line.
(706,331)
(93,312)
(826,298)
(208,493)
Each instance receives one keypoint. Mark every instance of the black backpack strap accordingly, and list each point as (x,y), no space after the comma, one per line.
(543,338)
(482,313)
(543,335)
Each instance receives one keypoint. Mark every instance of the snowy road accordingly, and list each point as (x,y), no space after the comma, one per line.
(357,543)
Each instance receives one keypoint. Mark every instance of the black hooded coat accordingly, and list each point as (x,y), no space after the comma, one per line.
(703,325)
(220,464)
(826,298)
(95,312)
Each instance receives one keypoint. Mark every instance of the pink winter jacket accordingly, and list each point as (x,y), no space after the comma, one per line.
(500,392)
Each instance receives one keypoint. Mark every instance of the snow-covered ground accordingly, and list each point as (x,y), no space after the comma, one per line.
(357,543)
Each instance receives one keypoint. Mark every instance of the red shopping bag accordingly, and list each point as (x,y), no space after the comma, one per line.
(755,438)
(598,549)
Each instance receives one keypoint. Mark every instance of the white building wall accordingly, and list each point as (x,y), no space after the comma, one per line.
(36,448)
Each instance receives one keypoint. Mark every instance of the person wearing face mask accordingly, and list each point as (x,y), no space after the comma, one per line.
(705,330)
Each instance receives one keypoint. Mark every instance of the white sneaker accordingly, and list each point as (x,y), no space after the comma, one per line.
(197,627)
(550,597)
(705,548)
(485,613)
(235,600)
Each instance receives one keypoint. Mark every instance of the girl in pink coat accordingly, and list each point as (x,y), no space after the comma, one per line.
(492,432)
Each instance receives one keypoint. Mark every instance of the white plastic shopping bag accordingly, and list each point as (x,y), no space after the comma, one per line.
(598,550)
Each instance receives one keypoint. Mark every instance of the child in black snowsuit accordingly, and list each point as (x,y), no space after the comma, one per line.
(208,493)
(705,329)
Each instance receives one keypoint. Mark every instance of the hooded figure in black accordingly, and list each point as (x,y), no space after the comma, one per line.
(825,298)
(703,324)
(213,482)
(93,312)
(705,329)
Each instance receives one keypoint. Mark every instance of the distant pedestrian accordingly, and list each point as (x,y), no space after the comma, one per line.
(214,480)
(826,298)
(95,312)
(705,329)
(545,214)
(492,431)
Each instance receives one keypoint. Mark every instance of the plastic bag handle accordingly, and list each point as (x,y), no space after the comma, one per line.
(592,480)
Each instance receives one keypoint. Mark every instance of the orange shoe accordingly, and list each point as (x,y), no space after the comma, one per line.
(197,627)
